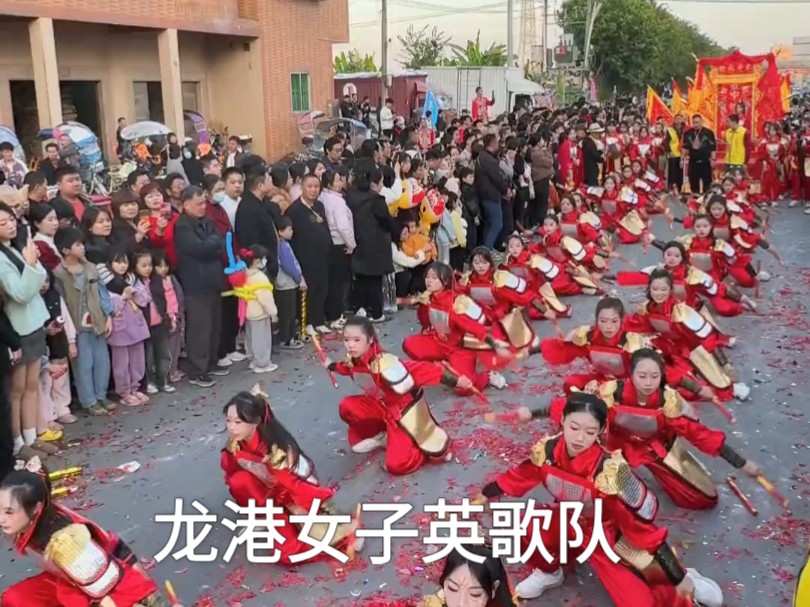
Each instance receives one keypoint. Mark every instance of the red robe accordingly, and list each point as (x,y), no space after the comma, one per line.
(557,277)
(771,153)
(570,173)
(557,470)
(552,245)
(570,225)
(498,301)
(799,177)
(446,343)
(54,587)
(380,408)
(645,434)
(248,477)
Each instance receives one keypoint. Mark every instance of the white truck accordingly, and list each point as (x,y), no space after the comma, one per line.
(455,86)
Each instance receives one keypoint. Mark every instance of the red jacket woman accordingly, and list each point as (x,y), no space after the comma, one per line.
(538,270)
(105,570)
(687,338)
(392,411)
(263,462)
(573,467)
(455,329)
(501,292)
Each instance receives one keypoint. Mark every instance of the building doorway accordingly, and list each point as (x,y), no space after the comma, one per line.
(80,103)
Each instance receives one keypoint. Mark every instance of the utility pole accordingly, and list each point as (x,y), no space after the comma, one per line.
(590,18)
(384,52)
(545,35)
(510,34)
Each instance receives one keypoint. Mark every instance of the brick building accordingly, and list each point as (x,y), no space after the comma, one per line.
(250,65)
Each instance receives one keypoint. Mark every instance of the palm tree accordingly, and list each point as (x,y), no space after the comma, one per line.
(473,55)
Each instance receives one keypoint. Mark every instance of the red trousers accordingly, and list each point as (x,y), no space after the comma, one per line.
(244,486)
(430,348)
(625,586)
(725,306)
(367,417)
(680,491)
(47,590)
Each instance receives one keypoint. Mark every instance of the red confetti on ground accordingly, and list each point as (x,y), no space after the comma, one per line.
(288,580)
(783,575)
(785,530)
(237,577)
(205,600)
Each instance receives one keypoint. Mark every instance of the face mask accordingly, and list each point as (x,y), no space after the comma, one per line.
(262,264)
(186,154)
(219,197)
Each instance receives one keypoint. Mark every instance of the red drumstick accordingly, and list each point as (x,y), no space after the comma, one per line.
(732,482)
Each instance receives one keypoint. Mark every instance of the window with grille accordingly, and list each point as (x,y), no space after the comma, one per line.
(299,85)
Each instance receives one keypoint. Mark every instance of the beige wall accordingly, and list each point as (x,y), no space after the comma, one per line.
(116,57)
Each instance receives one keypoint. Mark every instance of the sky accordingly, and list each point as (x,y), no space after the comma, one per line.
(757,26)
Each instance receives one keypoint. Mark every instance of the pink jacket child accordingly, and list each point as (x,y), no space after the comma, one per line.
(129,332)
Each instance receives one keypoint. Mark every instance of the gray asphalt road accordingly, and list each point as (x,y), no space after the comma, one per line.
(177,441)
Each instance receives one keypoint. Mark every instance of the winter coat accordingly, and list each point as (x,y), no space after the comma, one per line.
(372,232)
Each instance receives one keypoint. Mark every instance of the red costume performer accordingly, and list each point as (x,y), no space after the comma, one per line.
(691,286)
(569,251)
(455,329)
(86,566)
(393,403)
(719,259)
(652,434)
(538,270)
(254,471)
(585,226)
(628,507)
(688,340)
(500,292)
(614,150)
(800,173)
(571,169)
(771,152)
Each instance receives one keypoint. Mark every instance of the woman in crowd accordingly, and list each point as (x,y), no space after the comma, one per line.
(21,279)
(96,225)
(372,259)
(341,228)
(44,224)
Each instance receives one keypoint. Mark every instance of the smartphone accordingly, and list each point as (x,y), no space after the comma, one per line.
(144,215)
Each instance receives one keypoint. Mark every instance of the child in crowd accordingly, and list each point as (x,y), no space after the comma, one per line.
(445,236)
(173,294)
(458,248)
(406,267)
(419,240)
(90,308)
(288,282)
(261,311)
(158,355)
(54,379)
(129,329)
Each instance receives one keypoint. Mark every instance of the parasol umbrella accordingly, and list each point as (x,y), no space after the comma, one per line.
(144,129)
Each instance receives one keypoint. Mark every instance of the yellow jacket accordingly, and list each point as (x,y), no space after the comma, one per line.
(260,301)
(459,229)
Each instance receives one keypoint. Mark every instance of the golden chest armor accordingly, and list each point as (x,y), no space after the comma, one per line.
(77,556)
(507,280)
(394,373)
(702,261)
(569,229)
(722,233)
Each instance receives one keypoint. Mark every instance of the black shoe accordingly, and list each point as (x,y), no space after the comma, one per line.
(203,381)
(219,371)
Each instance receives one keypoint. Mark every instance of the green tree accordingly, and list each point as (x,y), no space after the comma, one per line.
(637,42)
(474,55)
(353,62)
(423,47)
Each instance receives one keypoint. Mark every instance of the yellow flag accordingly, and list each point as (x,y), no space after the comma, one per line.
(678,103)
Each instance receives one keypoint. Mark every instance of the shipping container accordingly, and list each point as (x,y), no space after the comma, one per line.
(456,86)
(407,89)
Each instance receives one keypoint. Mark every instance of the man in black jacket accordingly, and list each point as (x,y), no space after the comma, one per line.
(254,217)
(699,146)
(199,249)
(492,188)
